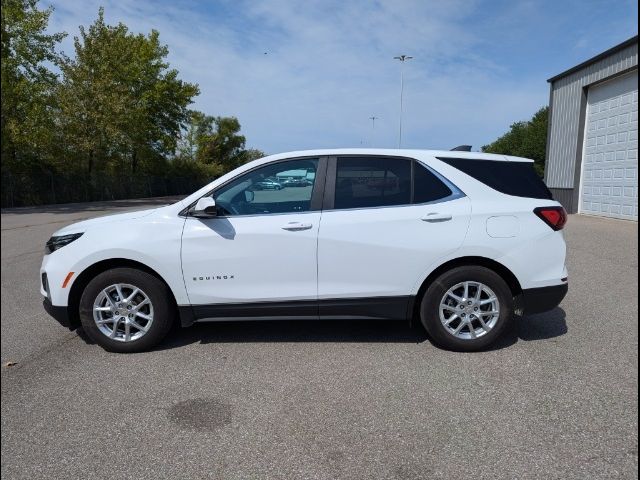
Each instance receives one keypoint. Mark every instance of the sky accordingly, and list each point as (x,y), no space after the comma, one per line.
(310,74)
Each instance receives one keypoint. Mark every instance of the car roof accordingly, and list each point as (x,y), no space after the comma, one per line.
(418,154)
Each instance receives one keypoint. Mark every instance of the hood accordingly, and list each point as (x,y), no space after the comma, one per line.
(87,224)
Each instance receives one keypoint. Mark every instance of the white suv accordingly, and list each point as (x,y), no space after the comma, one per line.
(460,240)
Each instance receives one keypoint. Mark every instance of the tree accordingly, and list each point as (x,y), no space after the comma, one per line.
(27,84)
(194,136)
(249,155)
(212,145)
(525,139)
(117,109)
(225,145)
(120,104)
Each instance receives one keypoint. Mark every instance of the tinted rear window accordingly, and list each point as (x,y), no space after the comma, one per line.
(372,182)
(511,178)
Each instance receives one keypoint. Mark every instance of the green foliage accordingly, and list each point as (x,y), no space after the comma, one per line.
(192,142)
(525,139)
(121,107)
(118,116)
(224,143)
(215,141)
(191,169)
(250,155)
(26,83)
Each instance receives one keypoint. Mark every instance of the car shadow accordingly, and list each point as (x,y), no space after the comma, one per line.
(284,331)
(220,225)
(543,326)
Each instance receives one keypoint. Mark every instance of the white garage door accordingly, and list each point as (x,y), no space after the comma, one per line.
(610,164)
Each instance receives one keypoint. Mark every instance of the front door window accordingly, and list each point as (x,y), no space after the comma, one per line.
(282,187)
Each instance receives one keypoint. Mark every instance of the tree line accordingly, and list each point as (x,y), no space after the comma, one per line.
(111,121)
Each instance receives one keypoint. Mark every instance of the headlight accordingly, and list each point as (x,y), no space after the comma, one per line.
(55,243)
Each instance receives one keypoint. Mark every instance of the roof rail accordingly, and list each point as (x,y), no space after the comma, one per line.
(461,148)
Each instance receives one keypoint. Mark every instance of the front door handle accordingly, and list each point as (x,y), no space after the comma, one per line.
(297,226)
(435,217)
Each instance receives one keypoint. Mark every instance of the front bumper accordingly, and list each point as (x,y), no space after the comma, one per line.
(61,314)
(538,300)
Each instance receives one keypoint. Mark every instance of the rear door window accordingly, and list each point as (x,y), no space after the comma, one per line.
(363,182)
(511,178)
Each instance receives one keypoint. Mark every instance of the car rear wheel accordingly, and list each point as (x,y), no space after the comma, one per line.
(126,310)
(467,308)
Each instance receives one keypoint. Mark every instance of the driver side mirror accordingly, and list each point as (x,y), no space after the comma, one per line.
(249,196)
(205,208)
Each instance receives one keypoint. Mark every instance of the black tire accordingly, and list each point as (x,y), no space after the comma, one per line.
(157,292)
(430,308)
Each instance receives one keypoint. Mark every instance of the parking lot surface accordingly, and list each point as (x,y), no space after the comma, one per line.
(325,400)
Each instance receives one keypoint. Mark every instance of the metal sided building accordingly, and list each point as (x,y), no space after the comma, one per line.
(592,144)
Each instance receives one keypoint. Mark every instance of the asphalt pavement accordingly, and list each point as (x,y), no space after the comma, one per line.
(557,398)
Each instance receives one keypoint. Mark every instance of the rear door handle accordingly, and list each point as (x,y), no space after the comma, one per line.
(435,217)
(297,226)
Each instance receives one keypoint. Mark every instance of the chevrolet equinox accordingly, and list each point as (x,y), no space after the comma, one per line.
(459,241)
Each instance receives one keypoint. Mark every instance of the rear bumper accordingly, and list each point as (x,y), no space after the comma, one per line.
(538,300)
(61,314)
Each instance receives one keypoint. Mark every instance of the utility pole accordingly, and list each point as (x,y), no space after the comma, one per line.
(402,59)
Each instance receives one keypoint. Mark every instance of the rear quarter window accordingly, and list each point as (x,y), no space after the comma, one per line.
(426,186)
(511,178)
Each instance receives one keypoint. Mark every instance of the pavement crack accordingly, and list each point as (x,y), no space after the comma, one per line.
(43,352)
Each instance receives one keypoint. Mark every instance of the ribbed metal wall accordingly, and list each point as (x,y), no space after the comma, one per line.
(566,198)
(566,105)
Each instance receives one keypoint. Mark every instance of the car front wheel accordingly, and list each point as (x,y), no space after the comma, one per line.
(126,310)
(467,308)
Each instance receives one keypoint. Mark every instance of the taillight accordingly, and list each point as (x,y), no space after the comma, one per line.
(555,217)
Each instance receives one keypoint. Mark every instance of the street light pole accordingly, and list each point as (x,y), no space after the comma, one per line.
(373,126)
(402,59)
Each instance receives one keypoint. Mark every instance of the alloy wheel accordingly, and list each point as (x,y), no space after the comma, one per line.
(469,310)
(123,312)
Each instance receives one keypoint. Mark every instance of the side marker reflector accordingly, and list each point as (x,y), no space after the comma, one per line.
(67,279)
